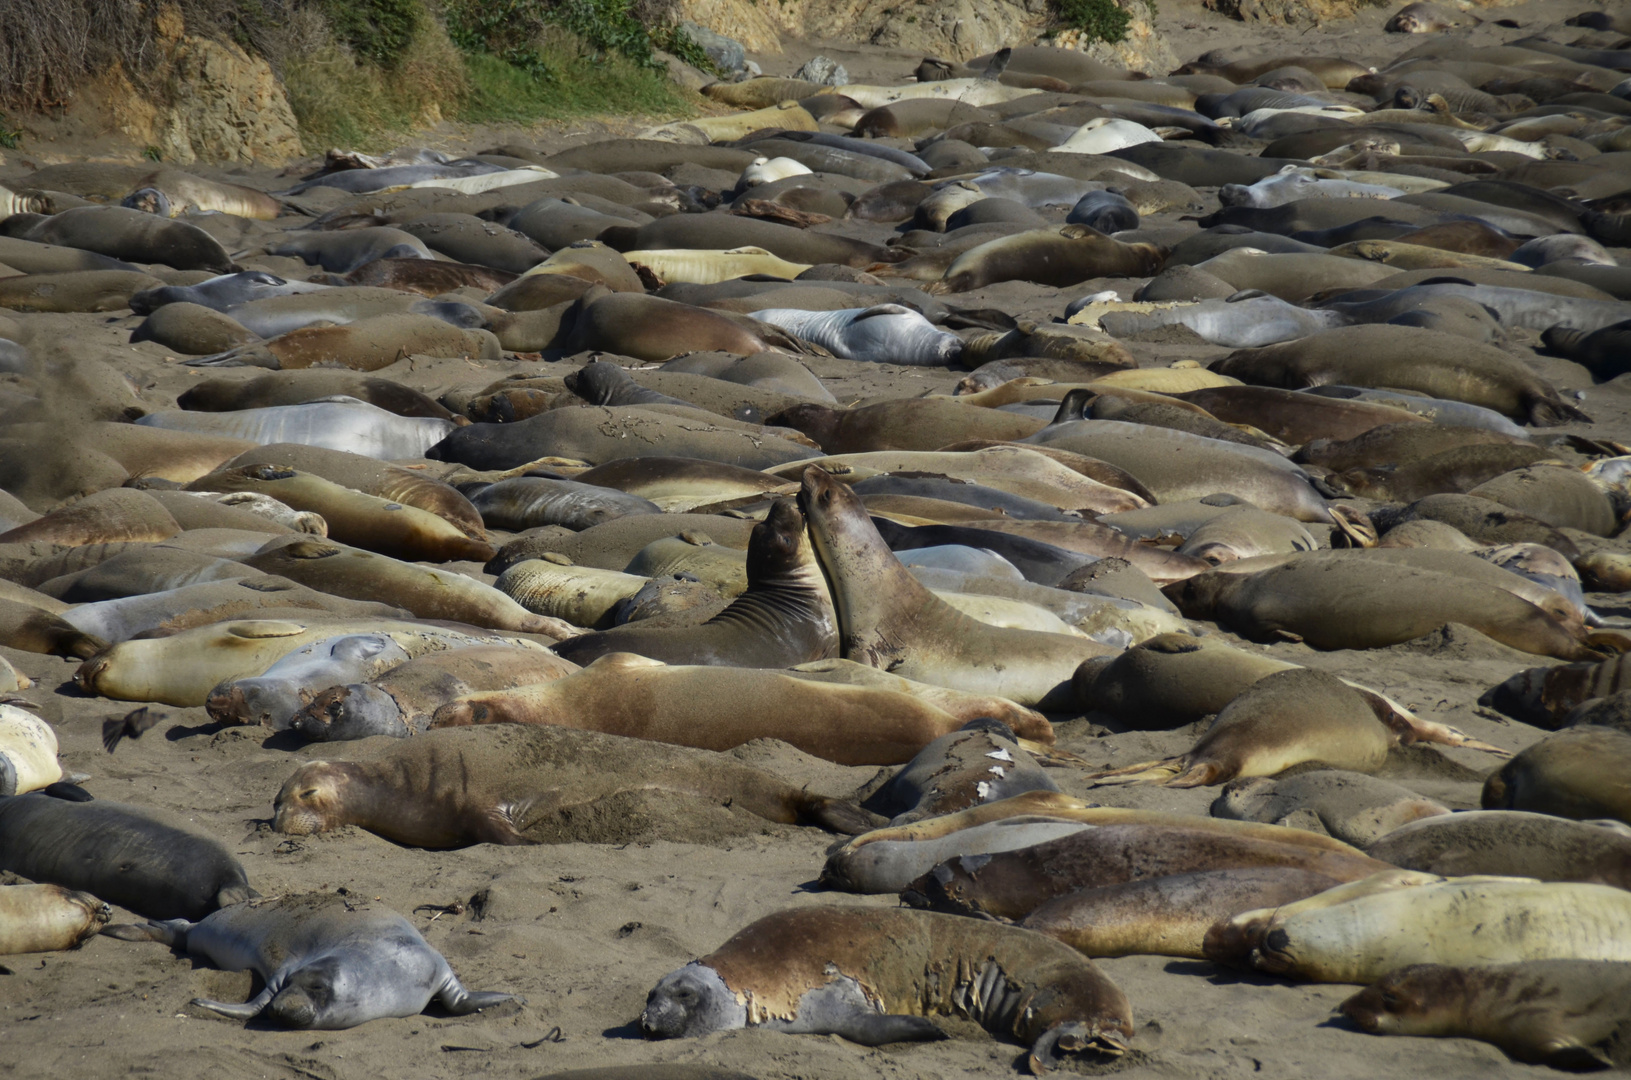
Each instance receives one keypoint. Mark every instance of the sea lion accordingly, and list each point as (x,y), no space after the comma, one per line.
(273,698)
(1013,884)
(1569,1014)
(1167,916)
(325,963)
(843,970)
(181,669)
(1058,257)
(426,592)
(785,617)
(46,918)
(1511,843)
(1381,603)
(1350,806)
(127,855)
(623,694)
(530,784)
(1408,359)
(1473,920)
(390,527)
(1578,773)
(28,752)
(887,619)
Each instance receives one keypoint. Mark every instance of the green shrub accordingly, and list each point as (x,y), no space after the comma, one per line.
(1101,20)
(378,31)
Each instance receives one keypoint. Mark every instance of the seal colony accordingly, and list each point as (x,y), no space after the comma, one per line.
(1146,525)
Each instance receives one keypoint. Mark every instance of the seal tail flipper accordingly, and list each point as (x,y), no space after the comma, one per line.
(171,932)
(1072,1037)
(836,815)
(1409,728)
(253,355)
(1160,770)
(1544,413)
(998,64)
(246,1011)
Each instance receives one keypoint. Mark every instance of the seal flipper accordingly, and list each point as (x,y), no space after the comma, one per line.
(1071,1037)
(836,815)
(873,1029)
(247,1011)
(171,932)
(67,792)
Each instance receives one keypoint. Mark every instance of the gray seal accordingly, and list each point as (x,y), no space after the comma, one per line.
(882,334)
(326,965)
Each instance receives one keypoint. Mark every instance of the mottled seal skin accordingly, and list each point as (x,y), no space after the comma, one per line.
(1511,843)
(529,784)
(529,502)
(46,918)
(131,235)
(1580,772)
(1350,806)
(785,617)
(272,699)
(1058,257)
(981,763)
(1170,680)
(120,853)
(890,865)
(831,970)
(326,963)
(1569,1014)
(1011,885)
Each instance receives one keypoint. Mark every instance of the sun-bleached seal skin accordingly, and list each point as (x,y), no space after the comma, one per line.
(528,502)
(213,601)
(1011,885)
(1349,805)
(1569,1014)
(860,973)
(1579,772)
(101,517)
(785,617)
(1334,602)
(888,866)
(582,595)
(628,695)
(884,333)
(28,752)
(981,762)
(1408,359)
(339,423)
(273,698)
(326,962)
(127,855)
(888,620)
(427,592)
(47,918)
(1456,921)
(1167,916)
(531,784)
(1512,843)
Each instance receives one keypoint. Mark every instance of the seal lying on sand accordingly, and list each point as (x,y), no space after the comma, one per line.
(45,918)
(841,970)
(527,785)
(325,965)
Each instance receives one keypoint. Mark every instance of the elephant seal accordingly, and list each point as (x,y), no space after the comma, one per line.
(533,784)
(1167,916)
(981,762)
(922,424)
(400,702)
(1511,843)
(627,695)
(78,290)
(890,865)
(582,595)
(123,854)
(28,752)
(1012,884)
(785,617)
(326,963)
(344,250)
(1283,719)
(102,517)
(273,698)
(835,970)
(366,344)
(130,235)
(884,334)
(1170,680)
(1579,772)
(289,388)
(1569,1014)
(1351,806)
(653,329)
(530,502)
(31,629)
(46,918)
(888,620)
(221,293)
(1408,359)
(1381,604)
(1473,920)
(1059,257)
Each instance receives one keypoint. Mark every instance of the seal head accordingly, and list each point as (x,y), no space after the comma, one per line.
(690,1002)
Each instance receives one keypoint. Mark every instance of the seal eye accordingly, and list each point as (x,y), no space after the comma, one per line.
(1391,1000)
(309,793)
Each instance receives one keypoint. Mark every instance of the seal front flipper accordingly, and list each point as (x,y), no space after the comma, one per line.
(837,815)
(461,1002)
(870,1028)
(1071,1037)
(171,932)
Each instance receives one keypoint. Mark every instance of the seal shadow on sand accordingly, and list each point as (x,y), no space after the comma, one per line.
(1218,975)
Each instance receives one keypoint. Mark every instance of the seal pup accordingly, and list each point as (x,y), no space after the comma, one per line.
(887,619)
(1351,806)
(1580,772)
(981,762)
(1569,1014)
(272,699)
(326,964)
(534,784)
(46,918)
(859,973)
(124,854)
(785,617)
